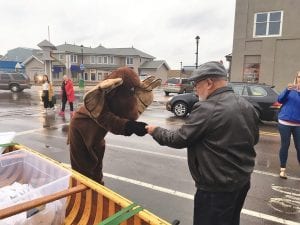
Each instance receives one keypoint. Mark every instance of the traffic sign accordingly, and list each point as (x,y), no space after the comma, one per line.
(81,67)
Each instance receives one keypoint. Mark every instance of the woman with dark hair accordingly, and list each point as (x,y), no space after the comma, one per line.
(289,122)
(47,93)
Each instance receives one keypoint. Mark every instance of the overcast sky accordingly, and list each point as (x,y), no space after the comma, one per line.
(165,29)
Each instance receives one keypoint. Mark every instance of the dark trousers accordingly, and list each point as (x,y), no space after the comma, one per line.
(285,135)
(219,208)
(64,102)
(45,99)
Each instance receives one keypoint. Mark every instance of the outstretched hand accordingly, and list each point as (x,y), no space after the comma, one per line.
(134,127)
(150,129)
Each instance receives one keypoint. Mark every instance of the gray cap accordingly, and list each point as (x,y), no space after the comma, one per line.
(208,69)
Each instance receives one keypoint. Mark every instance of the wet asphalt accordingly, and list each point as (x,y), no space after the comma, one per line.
(154,176)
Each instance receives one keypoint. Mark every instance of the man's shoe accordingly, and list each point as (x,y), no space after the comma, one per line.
(282,173)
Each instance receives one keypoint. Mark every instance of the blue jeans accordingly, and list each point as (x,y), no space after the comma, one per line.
(285,134)
(219,208)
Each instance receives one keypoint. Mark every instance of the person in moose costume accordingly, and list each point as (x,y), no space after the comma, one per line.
(113,105)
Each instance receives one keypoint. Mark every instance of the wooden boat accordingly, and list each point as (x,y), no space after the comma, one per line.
(88,202)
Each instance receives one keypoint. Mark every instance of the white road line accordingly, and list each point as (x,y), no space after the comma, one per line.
(174,192)
(191,197)
(145,151)
(38,129)
(185,158)
(148,152)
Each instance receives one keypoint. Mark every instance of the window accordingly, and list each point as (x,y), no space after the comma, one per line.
(61,57)
(99,59)
(93,76)
(93,59)
(268,24)
(100,76)
(4,77)
(17,76)
(129,60)
(105,60)
(258,91)
(240,89)
(112,60)
(73,58)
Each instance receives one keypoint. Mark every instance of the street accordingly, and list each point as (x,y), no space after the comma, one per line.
(157,177)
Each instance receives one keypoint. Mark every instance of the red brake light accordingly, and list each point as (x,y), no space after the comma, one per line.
(276,105)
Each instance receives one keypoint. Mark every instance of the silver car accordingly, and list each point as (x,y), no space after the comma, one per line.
(177,85)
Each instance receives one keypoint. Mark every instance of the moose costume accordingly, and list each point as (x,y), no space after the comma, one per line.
(113,106)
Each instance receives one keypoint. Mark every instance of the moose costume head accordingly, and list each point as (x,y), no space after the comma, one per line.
(113,105)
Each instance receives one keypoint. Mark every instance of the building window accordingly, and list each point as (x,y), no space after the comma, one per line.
(99,59)
(61,57)
(93,76)
(129,60)
(268,24)
(112,60)
(73,58)
(86,77)
(105,60)
(93,59)
(100,76)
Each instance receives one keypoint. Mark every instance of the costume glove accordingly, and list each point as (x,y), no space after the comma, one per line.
(133,127)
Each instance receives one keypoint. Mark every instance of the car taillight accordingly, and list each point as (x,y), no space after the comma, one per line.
(276,105)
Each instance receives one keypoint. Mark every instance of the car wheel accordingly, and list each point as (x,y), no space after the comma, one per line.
(180,109)
(15,88)
(166,93)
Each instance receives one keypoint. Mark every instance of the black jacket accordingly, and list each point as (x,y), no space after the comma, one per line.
(220,135)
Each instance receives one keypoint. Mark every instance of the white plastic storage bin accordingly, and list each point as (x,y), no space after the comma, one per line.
(38,177)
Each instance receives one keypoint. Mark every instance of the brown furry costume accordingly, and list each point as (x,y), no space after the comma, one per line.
(112,106)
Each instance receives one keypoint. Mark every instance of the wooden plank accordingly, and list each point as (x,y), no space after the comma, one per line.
(15,209)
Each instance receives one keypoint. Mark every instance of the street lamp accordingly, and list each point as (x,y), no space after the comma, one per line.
(180,70)
(197,43)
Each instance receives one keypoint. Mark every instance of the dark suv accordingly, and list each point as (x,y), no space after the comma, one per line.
(263,97)
(15,82)
(177,85)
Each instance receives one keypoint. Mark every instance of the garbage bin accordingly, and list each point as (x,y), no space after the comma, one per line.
(81,83)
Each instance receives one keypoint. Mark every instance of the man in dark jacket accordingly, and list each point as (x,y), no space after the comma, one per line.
(220,135)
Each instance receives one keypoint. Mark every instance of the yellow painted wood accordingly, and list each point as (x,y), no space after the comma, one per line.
(102,190)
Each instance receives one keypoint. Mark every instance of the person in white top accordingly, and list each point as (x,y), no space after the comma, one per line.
(47,93)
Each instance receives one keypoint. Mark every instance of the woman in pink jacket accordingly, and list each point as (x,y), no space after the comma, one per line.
(67,95)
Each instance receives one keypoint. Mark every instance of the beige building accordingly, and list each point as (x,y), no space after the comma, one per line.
(266,45)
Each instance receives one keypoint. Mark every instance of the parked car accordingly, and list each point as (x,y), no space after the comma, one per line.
(15,82)
(177,85)
(263,97)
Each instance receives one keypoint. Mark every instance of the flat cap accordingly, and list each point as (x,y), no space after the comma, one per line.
(208,69)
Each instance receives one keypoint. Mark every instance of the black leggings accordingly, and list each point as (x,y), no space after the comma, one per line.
(45,99)
(63,104)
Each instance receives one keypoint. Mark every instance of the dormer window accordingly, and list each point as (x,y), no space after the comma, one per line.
(129,60)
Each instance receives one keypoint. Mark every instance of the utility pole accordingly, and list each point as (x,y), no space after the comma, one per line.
(197,43)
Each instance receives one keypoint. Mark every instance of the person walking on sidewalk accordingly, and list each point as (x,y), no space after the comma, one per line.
(289,122)
(68,95)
